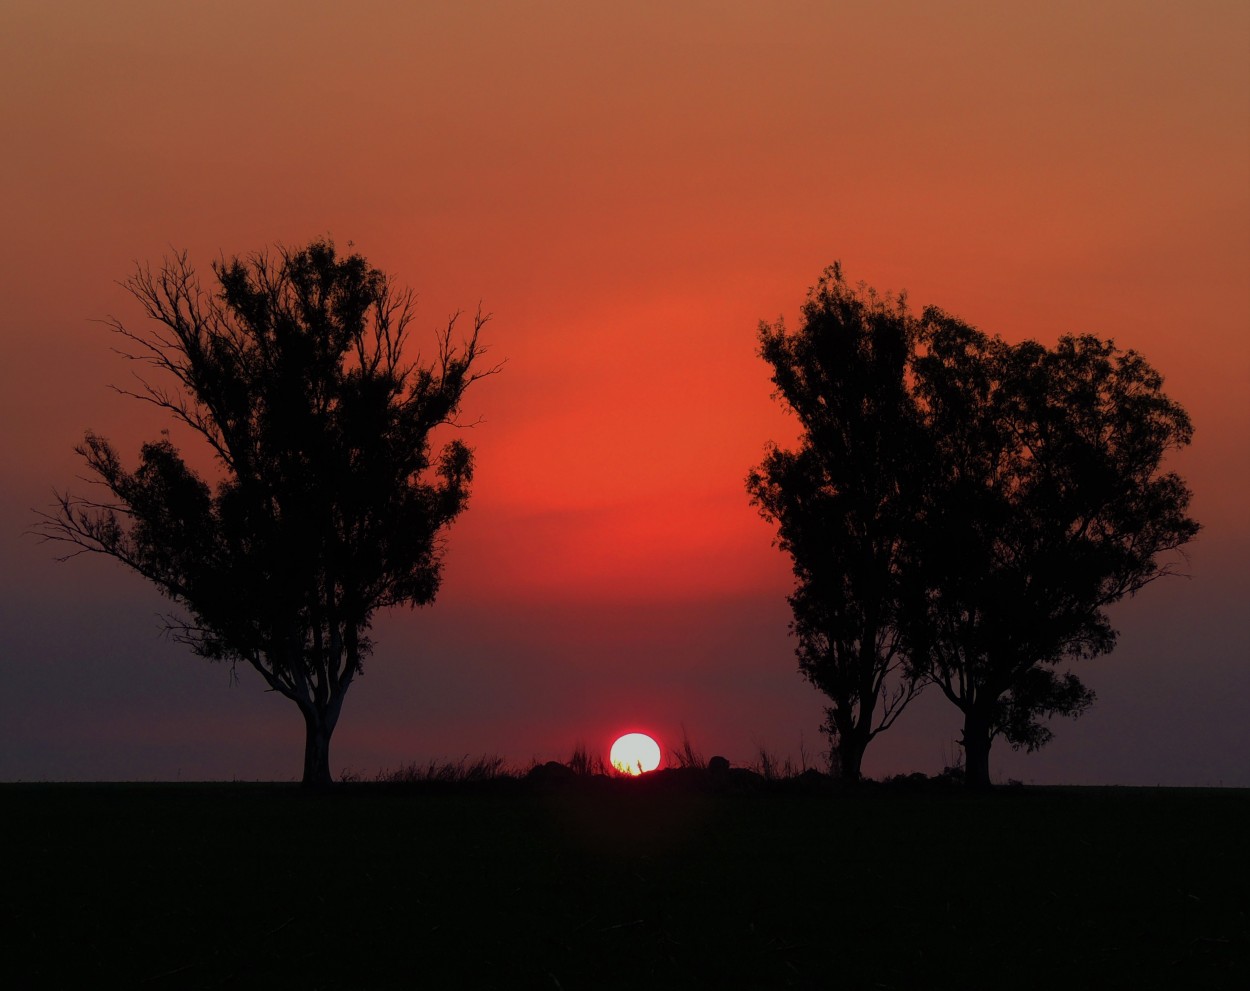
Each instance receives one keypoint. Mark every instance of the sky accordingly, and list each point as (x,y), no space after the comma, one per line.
(628,189)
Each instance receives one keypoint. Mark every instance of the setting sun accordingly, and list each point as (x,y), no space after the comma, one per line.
(635,753)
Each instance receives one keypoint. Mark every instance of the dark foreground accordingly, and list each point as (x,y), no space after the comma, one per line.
(241,886)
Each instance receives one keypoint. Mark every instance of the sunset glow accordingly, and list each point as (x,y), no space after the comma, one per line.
(628,190)
(635,753)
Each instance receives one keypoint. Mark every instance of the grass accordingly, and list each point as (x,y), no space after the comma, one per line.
(459,772)
(608,883)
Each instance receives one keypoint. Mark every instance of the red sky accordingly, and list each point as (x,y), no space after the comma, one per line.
(629,189)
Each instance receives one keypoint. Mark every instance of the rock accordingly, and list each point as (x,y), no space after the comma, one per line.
(553,770)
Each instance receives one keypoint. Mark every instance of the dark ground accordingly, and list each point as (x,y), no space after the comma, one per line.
(610,885)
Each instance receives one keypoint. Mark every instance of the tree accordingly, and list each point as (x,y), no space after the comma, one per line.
(330,504)
(844,502)
(1045,503)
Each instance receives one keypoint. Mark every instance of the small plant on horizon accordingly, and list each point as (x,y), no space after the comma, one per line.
(485,768)
(952,764)
(685,755)
(585,765)
(767,765)
(773,768)
(804,763)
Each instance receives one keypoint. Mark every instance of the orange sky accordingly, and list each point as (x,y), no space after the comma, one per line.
(629,189)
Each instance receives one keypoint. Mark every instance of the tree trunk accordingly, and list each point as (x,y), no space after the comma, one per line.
(850,753)
(849,739)
(316,751)
(976,744)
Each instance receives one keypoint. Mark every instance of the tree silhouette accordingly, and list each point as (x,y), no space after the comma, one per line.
(1045,502)
(330,504)
(844,501)
(961,511)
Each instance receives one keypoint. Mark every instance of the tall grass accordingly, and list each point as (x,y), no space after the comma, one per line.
(685,754)
(584,764)
(462,771)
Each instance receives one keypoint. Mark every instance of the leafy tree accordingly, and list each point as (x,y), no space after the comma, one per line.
(962,511)
(331,503)
(844,501)
(1045,502)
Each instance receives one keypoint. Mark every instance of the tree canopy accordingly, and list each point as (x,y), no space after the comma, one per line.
(332,501)
(961,511)
(1047,501)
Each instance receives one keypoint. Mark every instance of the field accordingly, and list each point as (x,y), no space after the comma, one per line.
(606,884)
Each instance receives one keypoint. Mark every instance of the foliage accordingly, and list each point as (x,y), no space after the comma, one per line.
(844,500)
(1046,501)
(961,511)
(331,502)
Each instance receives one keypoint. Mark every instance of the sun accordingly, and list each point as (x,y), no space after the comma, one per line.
(635,753)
